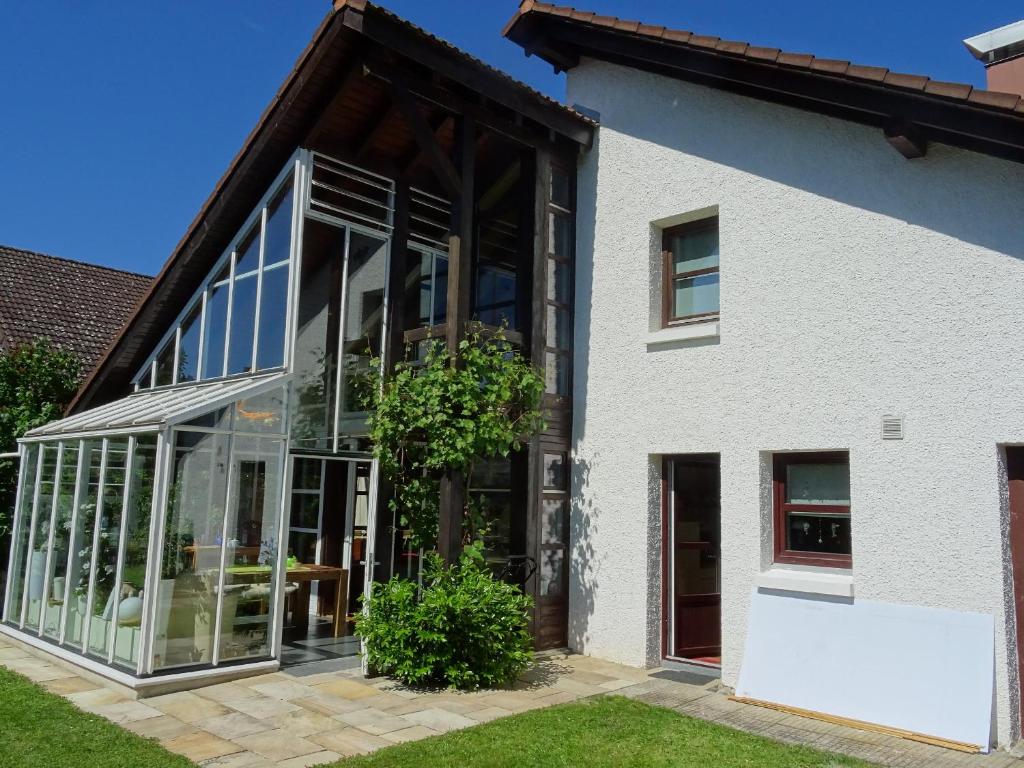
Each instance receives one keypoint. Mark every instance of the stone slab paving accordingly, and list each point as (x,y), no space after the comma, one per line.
(298,719)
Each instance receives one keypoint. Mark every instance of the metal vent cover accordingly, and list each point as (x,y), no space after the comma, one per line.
(892,427)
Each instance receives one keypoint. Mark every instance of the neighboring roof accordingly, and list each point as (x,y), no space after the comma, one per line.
(349,27)
(999,43)
(151,409)
(952,113)
(76,305)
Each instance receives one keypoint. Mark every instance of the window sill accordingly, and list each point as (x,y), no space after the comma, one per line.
(704,329)
(816,582)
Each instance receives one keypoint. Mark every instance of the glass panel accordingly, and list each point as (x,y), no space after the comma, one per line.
(190,559)
(306,510)
(490,474)
(252,548)
(696,249)
(40,537)
(560,235)
(364,317)
(440,290)
(551,563)
(553,522)
(261,413)
(247,257)
(490,492)
(560,187)
(697,524)
(302,546)
(81,545)
(808,532)
(273,315)
(555,471)
(496,296)
(136,554)
(695,295)
(323,248)
(559,328)
(306,475)
(165,364)
(53,603)
(279,228)
(213,334)
(559,281)
(218,419)
(106,542)
(243,323)
(556,374)
(188,354)
(17,565)
(146,379)
(818,484)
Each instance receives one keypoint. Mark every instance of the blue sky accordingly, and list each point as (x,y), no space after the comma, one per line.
(117,118)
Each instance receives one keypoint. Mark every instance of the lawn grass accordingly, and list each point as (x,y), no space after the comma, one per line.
(607,731)
(39,729)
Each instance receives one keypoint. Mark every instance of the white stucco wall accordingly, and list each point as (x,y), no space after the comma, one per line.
(854,283)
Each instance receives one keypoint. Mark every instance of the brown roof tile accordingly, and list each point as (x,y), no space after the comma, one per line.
(76,305)
(832,66)
(802,60)
(901,80)
(732,46)
(994,99)
(949,90)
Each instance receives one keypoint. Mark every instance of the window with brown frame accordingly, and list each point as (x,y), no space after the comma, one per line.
(812,508)
(690,269)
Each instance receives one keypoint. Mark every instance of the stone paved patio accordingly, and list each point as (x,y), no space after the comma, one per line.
(293,718)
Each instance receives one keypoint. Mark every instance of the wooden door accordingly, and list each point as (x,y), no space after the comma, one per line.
(694,507)
(1015,479)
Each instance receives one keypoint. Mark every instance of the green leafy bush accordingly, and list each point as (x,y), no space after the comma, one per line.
(464,628)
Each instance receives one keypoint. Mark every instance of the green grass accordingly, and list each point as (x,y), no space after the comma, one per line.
(608,731)
(39,729)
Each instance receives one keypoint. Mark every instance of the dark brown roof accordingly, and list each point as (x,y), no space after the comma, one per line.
(349,30)
(954,113)
(76,305)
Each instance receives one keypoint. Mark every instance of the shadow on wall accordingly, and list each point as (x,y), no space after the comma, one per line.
(962,194)
(583,578)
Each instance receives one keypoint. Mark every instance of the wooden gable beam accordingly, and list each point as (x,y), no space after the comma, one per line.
(440,163)
(354,72)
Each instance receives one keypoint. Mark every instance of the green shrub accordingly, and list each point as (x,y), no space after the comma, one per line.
(464,629)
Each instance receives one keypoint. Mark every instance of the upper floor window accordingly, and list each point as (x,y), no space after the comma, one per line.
(690,268)
(812,508)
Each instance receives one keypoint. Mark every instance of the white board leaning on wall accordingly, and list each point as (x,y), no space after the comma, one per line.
(926,670)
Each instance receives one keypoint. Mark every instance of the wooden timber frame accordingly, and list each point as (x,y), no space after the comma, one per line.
(377,92)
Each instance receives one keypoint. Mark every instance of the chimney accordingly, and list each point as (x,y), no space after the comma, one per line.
(1002,53)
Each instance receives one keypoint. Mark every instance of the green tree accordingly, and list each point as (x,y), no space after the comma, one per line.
(37,380)
(448,413)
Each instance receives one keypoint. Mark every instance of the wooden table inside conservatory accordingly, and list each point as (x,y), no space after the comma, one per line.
(304,575)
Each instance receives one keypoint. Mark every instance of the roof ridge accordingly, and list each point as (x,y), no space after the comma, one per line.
(78,262)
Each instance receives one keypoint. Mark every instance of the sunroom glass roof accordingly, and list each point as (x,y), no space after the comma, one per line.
(151,409)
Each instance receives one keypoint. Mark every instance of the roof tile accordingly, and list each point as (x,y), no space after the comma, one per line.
(949,90)
(903,80)
(862,72)
(758,52)
(832,66)
(704,41)
(650,30)
(994,99)
(795,59)
(677,35)
(732,46)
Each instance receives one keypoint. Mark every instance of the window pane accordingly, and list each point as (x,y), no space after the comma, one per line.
(261,413)
(247,258)
(165,364)
(136,553)
(306,476)
(818,484)
(807,532)
(252,548)
(17,565)
(323,249)
(559,281)
(302,546)
(440,290)
(556,374)
(559,187)
(559,328)
(213,335)
(491,474)
(105,555)
(555,471)
(695,295)
(62,513)
(188,353)
(364,316)
(695,249)
(81,545)
(279,228)
(560,235)
(495,296)
(273,314)
(243,321)
(305,510)
(551,563)
(553,522)
(39,543)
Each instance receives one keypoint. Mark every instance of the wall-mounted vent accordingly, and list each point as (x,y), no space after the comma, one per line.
(892,427)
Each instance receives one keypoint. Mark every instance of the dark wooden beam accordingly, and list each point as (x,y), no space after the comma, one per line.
(437,125)
(460,275)
(443,167)
(365,140)
(353,73)
(906,138)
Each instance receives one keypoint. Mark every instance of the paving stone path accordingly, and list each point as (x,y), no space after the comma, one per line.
(293,718)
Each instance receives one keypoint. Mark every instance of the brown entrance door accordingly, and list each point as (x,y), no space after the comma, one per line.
(695,599)
(1015,479)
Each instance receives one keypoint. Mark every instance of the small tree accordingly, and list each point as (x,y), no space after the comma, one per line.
(37,380)
(446,414)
